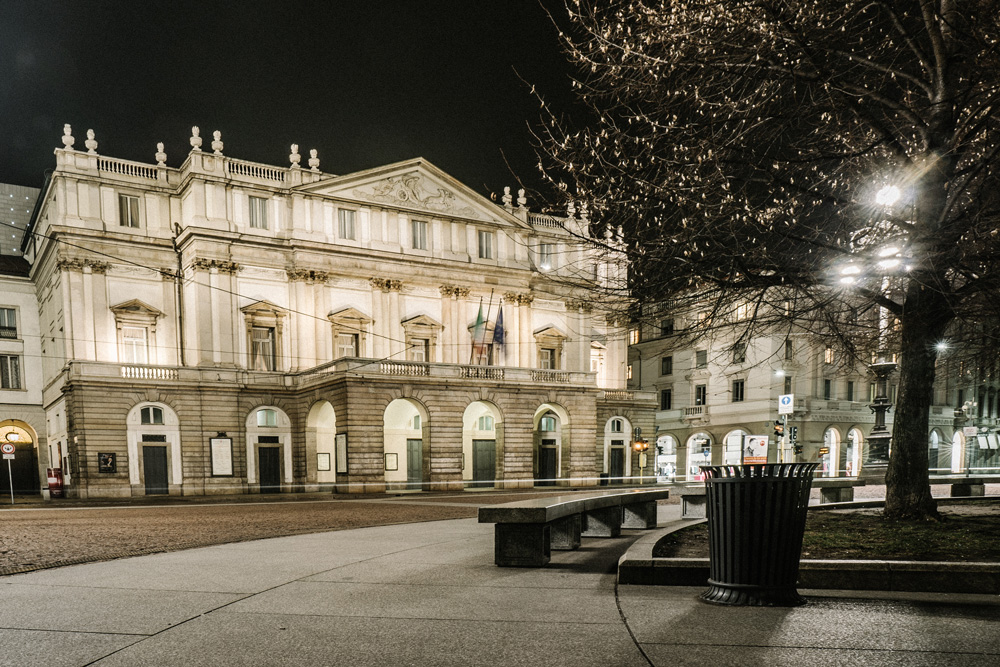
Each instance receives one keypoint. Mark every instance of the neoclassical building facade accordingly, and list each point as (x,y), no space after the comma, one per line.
(227,326)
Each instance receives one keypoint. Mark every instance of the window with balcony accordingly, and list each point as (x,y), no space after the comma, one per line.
(418,233)
(347,345)
(739,386)
(700,394)
(421,335)
(349,332)
(262,348)
(418,349)
(258,213)
(135,345)
(8,323)
(486,241)
(136,329)
(667,366)
(547,358)
(128,211)
(701,359)
(10,371)
(345,224)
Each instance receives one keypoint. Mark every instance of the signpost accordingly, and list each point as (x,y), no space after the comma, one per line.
(786,406)
(8,453)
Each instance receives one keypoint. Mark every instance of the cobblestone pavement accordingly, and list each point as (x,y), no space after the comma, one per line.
(36,535)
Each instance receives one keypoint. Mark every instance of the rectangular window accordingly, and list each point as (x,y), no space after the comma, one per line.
(828,355)
(667,366)
(701,359)
(258,213)
(700,394)
(347,345)
(345,224)
(134,345)
(788,384)
(633,336)
(8,323)
(547,358)
(666,399)
(850,390)
(788,349)
(739,353)
(827,389)
(262,348)
(10,372)
(546,256)
(128,211)
(743,311)
(628,372)
(738,389)
(485,244)
(419,232)
(666,327)
(419,350)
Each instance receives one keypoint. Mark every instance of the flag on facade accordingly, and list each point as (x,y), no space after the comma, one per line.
(478,335)
(499,341)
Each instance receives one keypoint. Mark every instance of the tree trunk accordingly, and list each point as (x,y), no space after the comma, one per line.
(907,483)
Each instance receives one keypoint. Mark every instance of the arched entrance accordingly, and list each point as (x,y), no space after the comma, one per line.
(934,452)
(830,461)
(24,466)
(154,449)
(958,452)
(551,425)
(666,458)
(482,444)
(852,457)
(321,433)
(269,449)
(406,450)
(699,447)
(617,452)
(734,447)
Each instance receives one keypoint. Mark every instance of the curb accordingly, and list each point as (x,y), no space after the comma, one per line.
(638,567)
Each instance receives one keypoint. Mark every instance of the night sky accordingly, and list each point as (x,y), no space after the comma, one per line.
(365,83)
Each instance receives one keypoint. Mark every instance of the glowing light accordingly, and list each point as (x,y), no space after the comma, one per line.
(889,263)
(888,251)
(942,346)
(850,270)
(887,196)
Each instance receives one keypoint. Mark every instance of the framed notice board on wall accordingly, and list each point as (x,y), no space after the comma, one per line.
(341,452)
(222,456)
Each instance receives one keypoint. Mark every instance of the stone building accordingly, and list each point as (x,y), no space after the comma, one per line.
(227,326)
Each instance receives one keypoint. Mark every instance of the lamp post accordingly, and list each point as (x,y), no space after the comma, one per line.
(640,445)
(877,462)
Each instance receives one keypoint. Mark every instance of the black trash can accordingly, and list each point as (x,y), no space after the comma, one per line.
(756,519)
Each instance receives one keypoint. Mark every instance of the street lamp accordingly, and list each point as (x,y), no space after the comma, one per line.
(640,445)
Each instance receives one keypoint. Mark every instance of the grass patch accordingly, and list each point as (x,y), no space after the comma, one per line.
(970,532)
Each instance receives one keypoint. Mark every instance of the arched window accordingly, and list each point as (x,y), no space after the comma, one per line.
(616,425)
(266,417)
(547,424)
(151,415)
(486,423)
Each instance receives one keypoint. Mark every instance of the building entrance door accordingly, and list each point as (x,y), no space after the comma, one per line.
(414,464)
(23,471)
(616,463)
(154,469)
(270,469)
(484,468)
(546,463)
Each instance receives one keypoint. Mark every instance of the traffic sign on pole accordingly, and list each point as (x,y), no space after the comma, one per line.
(786,404)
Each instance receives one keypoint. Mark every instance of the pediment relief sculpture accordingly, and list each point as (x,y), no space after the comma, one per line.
(414,191)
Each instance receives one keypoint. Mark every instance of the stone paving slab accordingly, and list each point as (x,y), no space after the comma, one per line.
(58,649)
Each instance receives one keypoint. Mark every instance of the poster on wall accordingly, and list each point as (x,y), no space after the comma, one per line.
(222,457)
(755,449)
(341,452)
(323,461)
(107,462)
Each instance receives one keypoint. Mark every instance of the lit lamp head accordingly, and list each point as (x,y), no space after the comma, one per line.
(888,195)
(641,445)
(13,436)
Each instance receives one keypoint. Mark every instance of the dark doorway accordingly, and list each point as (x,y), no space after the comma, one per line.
(546,464)
(484,468)
(270,469)
(154,469)
(617,462)
(23,471)
(414,464)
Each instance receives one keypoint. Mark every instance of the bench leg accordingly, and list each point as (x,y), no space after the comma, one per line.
(521,544)
(963,489)
(835,495)
(694,507)
(639,515)
(605,522)
(565,533)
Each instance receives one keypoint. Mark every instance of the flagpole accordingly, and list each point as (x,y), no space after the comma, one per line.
(472,351)
(486,322)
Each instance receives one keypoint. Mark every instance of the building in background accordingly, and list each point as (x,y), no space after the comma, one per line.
(227,326)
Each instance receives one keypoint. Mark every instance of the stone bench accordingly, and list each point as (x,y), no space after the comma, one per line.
(836,489)
(962,485)
(527,530)
(694,502)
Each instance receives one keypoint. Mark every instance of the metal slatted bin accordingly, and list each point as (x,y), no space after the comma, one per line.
(756,519)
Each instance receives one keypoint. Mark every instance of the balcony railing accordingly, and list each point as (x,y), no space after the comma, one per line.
(149,372)
(403,368)
(8,332)
(482,372)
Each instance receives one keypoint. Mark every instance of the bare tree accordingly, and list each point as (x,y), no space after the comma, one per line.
(748,150)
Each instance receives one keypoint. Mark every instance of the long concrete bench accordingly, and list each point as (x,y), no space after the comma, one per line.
(526,531)
(831,490)
(962,485)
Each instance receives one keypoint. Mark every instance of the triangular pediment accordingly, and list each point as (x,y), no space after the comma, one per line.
(417,186)
(136,307)
(549,332)
(349,315)
(422,321)
(264,308)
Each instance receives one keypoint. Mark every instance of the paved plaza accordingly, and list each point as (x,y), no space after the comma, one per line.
(429,594)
